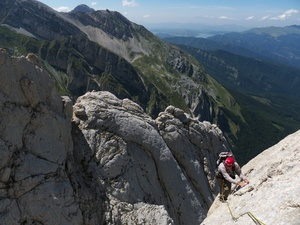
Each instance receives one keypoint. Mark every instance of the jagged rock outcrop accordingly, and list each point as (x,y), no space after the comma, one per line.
(145,165)
(273,194)
(113,164)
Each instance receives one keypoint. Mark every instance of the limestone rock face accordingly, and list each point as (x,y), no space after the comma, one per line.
(102,161)
(273,194)
(35,138)
(146,167)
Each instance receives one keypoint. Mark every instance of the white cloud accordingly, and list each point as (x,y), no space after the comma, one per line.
(226,18)
(285,15)
(63,9)
(223,17)
(146,16)
(132,3)
(264,18)
(250,18)
(93,3)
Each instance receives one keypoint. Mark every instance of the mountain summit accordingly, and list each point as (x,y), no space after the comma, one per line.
(83,8)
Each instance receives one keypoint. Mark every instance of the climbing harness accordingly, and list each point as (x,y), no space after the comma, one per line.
(255,220)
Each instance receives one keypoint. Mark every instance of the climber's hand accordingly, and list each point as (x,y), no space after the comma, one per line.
(246,181)
(241,184)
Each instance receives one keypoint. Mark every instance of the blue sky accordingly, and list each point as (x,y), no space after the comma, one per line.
(246,13)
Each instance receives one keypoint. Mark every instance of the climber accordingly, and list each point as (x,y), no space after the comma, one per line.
(226,176)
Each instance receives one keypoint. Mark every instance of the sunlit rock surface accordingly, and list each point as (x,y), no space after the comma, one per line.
(273,194)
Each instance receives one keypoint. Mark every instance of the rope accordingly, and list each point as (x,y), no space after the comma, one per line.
(236,188)
(255,220)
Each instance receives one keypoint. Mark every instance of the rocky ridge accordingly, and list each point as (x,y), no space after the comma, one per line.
(166,163)
(108,163)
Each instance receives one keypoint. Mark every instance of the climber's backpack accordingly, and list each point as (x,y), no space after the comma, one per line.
(222,157)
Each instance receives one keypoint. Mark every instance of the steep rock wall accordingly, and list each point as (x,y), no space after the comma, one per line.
(35,137)
(272,197)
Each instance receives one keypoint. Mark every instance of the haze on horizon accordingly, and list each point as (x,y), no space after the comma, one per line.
(192,13)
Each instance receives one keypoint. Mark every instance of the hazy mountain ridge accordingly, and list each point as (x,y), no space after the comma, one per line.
(276,31)
(249,75)
(277,44)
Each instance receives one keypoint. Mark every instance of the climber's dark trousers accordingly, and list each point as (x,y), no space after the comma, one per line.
(225,189)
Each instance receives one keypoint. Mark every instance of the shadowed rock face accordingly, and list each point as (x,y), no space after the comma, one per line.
(273,193)
(35,139)
(110,164)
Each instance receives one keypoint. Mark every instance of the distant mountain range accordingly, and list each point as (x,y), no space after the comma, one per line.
(277,44)
(191,29)
(87,50)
